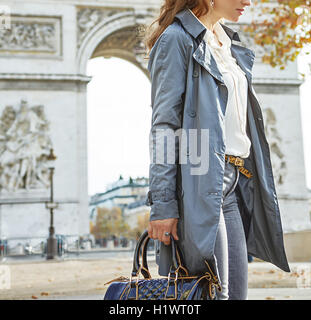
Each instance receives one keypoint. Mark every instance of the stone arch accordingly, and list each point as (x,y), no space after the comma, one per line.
(116,24)
(43,59)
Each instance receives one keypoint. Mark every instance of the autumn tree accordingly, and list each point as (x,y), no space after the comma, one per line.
(282,28)
(109,222)
(142,224)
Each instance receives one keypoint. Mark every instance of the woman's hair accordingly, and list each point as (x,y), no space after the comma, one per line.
(167,14)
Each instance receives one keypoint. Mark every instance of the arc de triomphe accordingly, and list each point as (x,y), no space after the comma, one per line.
(43,58)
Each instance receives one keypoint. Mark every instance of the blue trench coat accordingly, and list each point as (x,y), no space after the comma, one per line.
(188,91)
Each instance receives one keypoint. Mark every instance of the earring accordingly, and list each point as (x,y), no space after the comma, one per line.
(212,3)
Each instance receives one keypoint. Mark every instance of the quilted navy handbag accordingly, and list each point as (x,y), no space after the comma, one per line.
(173,287)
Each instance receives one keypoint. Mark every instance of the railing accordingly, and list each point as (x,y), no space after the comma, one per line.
(23,246)
(67,245)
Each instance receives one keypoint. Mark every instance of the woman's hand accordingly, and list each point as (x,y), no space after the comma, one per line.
(157,229)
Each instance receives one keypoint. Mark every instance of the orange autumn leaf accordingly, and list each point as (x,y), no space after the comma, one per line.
(282,30)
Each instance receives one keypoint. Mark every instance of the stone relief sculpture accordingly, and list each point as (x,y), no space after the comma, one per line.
(275,142)
(24,36)
(24,147)
(31,35)
(88,18)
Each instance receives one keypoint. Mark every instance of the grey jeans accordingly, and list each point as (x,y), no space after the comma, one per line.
(230,245)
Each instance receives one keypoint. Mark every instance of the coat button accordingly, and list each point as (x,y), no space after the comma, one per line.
(195,73)
(193,113)
(259,118)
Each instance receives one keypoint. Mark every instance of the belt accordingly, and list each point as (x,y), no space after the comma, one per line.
(239,162)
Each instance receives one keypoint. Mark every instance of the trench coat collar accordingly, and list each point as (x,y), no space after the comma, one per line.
(195,27)
(244,56)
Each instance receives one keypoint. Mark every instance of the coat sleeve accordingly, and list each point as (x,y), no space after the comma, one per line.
(168,71)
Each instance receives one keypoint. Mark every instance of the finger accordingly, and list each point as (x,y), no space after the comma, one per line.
(166,239)
(159,234)
(174,232)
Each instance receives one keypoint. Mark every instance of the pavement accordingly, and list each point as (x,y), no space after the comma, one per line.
(76,279)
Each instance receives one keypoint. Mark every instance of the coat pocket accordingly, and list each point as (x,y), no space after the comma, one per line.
(211,182)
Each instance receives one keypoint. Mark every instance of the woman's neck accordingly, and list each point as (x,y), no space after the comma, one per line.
(208,20)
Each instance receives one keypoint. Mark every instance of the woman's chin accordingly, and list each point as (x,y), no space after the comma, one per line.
(233,19)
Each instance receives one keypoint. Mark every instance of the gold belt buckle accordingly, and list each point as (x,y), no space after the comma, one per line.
(238,161)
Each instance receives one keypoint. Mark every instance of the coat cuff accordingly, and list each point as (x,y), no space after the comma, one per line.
(164,210)
(164,204)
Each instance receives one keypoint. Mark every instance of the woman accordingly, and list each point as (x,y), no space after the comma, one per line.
(225,208)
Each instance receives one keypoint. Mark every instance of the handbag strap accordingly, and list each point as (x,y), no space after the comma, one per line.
(176,256)
(143,241)
(136,265)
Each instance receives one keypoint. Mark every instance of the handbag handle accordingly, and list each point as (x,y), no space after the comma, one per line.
(143,242)
(171,292)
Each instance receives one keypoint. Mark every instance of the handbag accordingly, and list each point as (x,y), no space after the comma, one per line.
(176,286)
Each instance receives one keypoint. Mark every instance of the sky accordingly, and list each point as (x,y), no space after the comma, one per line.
(119,120)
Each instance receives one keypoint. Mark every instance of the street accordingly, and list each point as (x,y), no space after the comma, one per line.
(84,279)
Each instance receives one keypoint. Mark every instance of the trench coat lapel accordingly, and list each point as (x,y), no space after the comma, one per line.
(202,54)
(244,57)
(205,58)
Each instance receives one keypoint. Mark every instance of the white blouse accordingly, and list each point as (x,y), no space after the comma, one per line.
(237,141)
